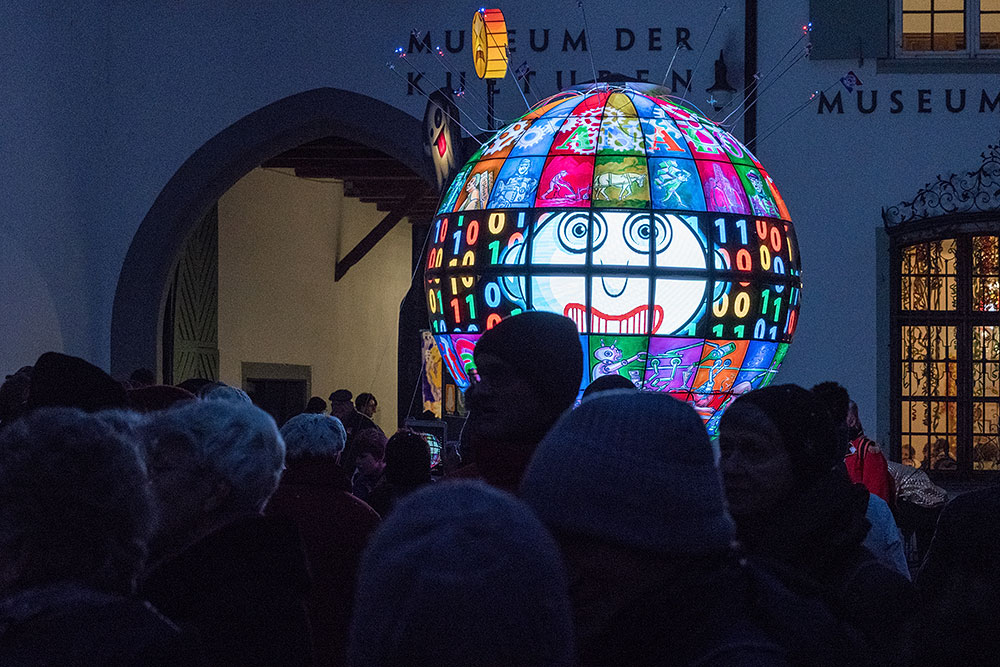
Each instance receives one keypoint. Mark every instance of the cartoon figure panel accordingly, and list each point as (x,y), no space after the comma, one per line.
(620,305)
(517,183)
(680,304)
(456,188)
(776,196)
(621,182)
(479,186)
(720,363)
(756,366)
(757,192)
(617,355)
(560,294)
(676,184)
(671,364)
(723,188)
(566,181)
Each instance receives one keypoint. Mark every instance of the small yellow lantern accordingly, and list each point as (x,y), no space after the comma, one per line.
(489,44)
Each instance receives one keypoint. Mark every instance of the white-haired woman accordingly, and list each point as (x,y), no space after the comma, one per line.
(240,579)
(335,525)
(75,513)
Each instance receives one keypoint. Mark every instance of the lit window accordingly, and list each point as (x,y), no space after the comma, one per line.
(946,326)
(941,27)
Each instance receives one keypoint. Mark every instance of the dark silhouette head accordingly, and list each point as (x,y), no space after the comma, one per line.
(407,459)
(316,405)
(607,383)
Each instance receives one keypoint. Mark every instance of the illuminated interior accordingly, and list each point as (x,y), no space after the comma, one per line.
(650,226)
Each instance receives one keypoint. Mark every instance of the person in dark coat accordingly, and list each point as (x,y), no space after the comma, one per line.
(407,468)
(529,370)
(221,568)
(355,423)
(75,513)
(14,395)
(799,516)
(461,575)
(628,484)
(959,585)
(335,525)
(61,380)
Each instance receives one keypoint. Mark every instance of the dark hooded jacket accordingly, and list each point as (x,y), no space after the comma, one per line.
(243,590)
(335,527)
(73,626)
(812,545)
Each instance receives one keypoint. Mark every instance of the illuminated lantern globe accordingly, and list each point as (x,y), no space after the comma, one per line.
(647,224)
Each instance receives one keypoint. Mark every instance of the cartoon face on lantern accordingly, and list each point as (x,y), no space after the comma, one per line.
(653,229)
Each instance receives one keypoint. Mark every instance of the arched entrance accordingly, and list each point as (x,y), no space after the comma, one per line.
(213,169)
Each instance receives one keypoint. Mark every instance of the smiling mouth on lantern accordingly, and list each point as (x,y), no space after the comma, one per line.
(635,321)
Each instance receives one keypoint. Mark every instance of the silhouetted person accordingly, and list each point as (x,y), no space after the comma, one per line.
(800,516)
(366,404)
(156,397)
(14,395)
(959,585)
(335,526)
(529,371)
(608,383)
(221,568)
(938,456)
(316,405)
(461,575)
(141,377)
(75,514)
(865,465)
(194,384)
(342,407)
(370,462)
(627,482)
(407,468)
(59,380)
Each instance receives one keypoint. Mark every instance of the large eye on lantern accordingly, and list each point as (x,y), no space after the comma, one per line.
(639,227)
(572,232)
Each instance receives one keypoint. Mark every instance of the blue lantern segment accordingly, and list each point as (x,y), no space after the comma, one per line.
(656,231)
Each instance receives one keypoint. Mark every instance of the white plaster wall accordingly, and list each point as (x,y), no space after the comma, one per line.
(101,102)
(278,303)
(836,173)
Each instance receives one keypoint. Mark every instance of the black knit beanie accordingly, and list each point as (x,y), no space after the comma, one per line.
(59,380)
(807,431)
(544,348)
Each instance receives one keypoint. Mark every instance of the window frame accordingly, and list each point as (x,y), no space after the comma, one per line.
(972,50)
(962,228)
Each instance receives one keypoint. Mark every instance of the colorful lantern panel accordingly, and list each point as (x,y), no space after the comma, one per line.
(648,225)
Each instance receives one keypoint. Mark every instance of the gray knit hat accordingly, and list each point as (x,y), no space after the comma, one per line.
(461,575)
(633,469)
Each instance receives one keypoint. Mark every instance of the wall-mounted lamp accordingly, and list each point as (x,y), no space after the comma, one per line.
(721,91)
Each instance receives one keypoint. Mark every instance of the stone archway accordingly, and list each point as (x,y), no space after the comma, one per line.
(215,167)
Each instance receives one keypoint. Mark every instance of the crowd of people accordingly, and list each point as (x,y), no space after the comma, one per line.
(144,524)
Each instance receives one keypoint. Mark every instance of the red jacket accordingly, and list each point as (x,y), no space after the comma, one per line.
(866,465)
